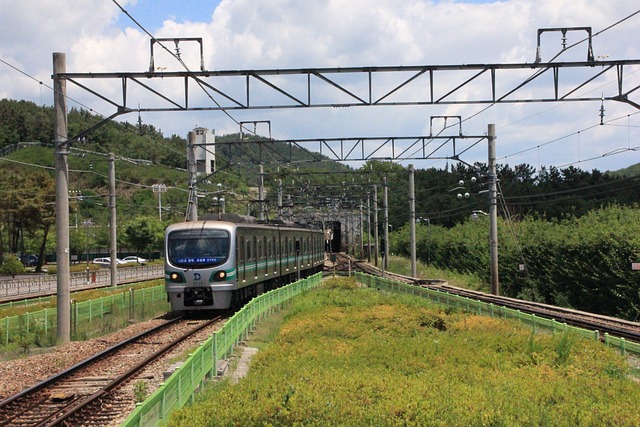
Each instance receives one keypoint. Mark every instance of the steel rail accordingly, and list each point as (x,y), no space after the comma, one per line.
(77,408)
(603,324)
(12,408)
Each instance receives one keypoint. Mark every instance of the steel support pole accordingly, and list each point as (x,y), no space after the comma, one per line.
(113,240)
(412,220)
(62,198)
(493,211)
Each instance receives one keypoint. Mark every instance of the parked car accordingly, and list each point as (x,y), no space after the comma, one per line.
(107,261)
(29,260)
(132,258)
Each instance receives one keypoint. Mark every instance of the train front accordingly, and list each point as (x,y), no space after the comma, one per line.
(200,271)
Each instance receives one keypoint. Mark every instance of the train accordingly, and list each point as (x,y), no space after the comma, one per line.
(218,264)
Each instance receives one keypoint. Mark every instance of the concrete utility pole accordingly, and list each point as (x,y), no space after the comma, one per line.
(376,236)
(369,227)
(493,211)
(361,232)
(192,209)
(261,192)
(385,202)
(280,200)
(113,240)
(62,198)
(412,220)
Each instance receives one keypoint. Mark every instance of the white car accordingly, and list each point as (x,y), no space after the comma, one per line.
(107,261)
(132,258)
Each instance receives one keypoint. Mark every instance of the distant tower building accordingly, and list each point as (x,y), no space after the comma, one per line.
(205,151)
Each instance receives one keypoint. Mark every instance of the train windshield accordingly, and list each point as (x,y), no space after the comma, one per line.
(198,248)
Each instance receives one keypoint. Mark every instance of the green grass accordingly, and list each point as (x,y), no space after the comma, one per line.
(402,266)
(342,355)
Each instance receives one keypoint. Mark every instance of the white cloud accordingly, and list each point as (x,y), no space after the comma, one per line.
(250,34)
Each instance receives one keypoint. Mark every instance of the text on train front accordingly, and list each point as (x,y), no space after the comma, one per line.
(198,248)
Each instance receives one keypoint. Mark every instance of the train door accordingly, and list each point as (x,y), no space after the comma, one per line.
(259,254)
(241,255)
(297,255)
(254,247)
(265,262)
(285,254)
(274,256)
(307,251)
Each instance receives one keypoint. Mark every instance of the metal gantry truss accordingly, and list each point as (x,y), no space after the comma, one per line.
(153,91)
(361,148)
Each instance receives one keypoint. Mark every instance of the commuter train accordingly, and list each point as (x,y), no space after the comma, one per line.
(215,264)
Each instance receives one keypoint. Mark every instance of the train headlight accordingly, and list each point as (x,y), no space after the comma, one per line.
(219,276)
(176,277)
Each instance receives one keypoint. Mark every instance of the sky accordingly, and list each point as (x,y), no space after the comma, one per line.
(97,36)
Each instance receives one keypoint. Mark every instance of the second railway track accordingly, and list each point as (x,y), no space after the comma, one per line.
(603,324)
(85,394)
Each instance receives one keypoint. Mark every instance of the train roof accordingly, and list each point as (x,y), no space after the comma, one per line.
(225,223)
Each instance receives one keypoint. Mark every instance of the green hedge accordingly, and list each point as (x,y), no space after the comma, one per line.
(583,263)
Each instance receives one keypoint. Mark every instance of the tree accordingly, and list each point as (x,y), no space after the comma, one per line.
(143,234)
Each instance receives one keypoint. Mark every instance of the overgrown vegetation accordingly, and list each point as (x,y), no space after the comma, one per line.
(348,356)
(584,263)
(140,391)
(402,265)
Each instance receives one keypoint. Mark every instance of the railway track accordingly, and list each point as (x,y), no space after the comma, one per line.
(603,324)
(88,393)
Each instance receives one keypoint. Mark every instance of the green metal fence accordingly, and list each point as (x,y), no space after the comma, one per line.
(179,389)
(42,324)
(492,310)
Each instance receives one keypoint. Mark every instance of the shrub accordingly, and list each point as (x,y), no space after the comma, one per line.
(12,266)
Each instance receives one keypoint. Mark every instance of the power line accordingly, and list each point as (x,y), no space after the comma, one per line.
(567,136)
(85,106)
(537,73)
(184,65)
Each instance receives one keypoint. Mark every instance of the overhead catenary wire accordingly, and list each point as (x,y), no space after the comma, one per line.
(184,65)
(537,73)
